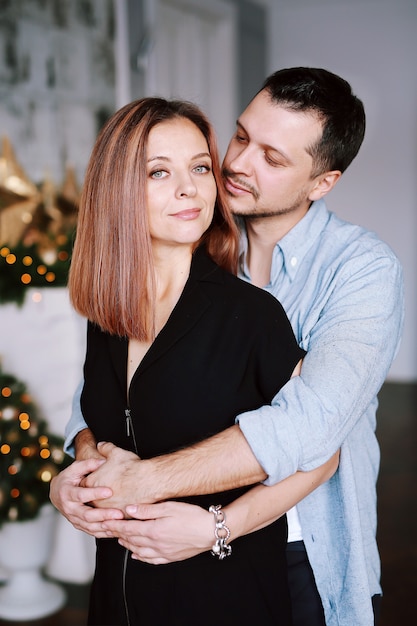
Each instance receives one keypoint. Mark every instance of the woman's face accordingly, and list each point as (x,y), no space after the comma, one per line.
(181,190)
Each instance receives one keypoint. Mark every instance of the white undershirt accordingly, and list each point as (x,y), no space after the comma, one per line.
(294,526)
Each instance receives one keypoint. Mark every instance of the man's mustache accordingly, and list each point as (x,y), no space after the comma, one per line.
(241,183)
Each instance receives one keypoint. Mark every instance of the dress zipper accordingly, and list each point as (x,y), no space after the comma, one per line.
(130,432)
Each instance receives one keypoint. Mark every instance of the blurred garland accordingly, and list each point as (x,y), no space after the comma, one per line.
(37,229)
(23,266)
(30,456)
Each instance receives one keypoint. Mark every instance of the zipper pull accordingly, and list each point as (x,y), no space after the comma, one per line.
(128,421)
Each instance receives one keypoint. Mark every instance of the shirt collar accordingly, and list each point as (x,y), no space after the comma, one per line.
(294,245)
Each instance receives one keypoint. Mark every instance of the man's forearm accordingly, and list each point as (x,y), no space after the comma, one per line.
(85,446)
(220,463)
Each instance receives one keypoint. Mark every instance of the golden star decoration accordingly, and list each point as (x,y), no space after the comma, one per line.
(37,225)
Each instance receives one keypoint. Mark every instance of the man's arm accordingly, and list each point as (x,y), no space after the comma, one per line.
(85,446)
(351,348)
(174,531)
(232,464)
(76,423)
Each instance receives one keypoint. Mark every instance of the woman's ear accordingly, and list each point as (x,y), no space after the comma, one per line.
(323,184)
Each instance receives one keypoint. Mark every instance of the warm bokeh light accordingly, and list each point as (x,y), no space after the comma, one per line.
(46,476)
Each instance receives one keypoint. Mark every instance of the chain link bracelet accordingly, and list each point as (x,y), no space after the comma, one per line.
(220,548)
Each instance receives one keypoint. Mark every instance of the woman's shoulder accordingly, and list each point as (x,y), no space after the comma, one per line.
(220,281)
(250,292)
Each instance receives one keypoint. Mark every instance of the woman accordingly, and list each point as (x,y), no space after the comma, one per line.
(170,325)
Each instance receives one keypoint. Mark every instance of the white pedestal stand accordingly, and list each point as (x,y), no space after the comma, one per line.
(24,551)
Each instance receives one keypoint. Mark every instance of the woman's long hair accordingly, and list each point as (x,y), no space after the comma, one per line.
(111,279)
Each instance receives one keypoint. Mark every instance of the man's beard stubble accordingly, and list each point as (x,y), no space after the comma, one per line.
(259,212)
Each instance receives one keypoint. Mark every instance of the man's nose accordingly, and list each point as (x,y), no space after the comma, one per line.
(239,161)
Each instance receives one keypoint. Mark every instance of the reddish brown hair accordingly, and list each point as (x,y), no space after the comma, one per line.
(111,280)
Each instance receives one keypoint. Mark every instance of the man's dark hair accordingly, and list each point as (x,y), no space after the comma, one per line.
(332,100)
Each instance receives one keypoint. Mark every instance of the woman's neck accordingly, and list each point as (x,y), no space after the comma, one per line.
(172,268)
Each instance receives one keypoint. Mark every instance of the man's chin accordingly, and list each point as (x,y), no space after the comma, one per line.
(252,214)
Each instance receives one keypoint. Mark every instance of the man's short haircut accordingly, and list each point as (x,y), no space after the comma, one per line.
(330,97)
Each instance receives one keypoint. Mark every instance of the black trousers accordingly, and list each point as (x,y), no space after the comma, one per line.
(307,609)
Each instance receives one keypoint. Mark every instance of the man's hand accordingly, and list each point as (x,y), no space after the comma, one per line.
(122,473)
(164,532)
(222,462)
(72,500)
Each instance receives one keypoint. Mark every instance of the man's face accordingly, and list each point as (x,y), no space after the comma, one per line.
(267,169)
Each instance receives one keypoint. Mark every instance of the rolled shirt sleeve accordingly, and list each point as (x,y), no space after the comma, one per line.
(350,321)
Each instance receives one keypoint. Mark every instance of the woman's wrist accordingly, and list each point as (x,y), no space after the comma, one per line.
(221,547)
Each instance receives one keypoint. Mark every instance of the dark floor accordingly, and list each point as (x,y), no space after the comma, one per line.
(397,497)
(397,514)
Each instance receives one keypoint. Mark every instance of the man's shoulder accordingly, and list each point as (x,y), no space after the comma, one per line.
(353,238)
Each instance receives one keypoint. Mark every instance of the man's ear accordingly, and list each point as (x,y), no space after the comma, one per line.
(323,184)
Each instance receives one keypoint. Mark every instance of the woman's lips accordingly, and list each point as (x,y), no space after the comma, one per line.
(187,214)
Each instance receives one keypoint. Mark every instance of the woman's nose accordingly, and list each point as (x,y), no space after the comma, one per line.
(186,187)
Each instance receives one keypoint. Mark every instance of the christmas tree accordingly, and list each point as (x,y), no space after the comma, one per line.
(30,456)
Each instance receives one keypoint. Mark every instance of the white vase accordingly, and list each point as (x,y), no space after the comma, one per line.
(24,550)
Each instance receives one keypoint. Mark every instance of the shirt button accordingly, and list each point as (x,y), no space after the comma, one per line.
(293,261)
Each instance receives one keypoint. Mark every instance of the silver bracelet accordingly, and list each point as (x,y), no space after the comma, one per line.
(220,548)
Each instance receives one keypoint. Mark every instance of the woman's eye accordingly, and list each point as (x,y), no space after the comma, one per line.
(158,174)
(202,169)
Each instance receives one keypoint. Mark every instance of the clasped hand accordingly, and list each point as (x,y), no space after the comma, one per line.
(121,473)
(93,495)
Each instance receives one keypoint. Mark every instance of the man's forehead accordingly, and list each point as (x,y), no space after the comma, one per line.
(266,121)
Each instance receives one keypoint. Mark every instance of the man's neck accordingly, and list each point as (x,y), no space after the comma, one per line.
(263,234)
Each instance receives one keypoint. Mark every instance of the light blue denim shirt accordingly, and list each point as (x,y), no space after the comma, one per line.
(342,289)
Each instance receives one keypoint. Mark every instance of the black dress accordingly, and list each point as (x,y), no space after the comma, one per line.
(226,348)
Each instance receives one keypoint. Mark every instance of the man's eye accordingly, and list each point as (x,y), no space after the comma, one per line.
(271,161)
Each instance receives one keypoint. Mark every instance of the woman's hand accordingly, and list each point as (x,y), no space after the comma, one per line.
(72,500)
(164,532)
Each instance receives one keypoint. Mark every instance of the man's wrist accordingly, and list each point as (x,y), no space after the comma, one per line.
(149,478)
(85,445)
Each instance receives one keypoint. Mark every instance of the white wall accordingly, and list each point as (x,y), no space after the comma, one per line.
(373,44)
(56,82)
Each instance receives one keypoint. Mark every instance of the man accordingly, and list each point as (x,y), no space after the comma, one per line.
(342,290)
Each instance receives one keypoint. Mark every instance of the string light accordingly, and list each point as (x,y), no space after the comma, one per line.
(30,456)
(29,266)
